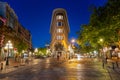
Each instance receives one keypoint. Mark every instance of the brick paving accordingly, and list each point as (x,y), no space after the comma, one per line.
(13,65)
(88,69)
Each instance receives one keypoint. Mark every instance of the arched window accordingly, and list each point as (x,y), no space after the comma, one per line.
(59,23)
(59,30)
(59,37)
(59,17)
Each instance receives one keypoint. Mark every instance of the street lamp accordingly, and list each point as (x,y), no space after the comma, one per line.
(71,48)
(101,45)
(73,40)
(101,40)
(72,43)
(8,47)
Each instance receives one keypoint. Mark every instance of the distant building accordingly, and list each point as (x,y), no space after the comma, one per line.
(11,28)
(59,31)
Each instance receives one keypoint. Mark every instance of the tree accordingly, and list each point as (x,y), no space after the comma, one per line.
(42,51)
(104,23)
(21,46)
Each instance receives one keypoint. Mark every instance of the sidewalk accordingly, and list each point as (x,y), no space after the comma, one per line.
(13,65)
(108,70)
(112,72)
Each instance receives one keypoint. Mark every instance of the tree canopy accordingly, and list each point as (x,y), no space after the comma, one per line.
(104,24)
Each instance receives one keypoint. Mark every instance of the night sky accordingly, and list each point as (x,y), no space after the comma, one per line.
(35,15)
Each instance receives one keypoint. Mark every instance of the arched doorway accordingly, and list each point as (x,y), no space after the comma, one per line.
(59,48)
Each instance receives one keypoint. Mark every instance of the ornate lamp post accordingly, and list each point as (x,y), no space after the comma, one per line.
(70,48)
(72,43)
(8,47)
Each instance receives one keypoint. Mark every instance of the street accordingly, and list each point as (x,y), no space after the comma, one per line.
(51,69)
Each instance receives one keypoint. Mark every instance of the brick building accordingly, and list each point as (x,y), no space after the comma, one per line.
(59,30)
(11,28)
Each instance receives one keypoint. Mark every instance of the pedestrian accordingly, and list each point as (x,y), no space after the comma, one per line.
(119,54)
(115,59)
(104,59)
(58,55)
(27,61)
(15,57)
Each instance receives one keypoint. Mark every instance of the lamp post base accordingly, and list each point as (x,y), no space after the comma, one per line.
(7,61)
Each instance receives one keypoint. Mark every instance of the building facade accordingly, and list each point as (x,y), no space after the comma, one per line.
(11,28)
(59,31)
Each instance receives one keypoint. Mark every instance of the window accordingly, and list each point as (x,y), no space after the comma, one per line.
(59,23)
(59,37)
(59,30)
(59,17)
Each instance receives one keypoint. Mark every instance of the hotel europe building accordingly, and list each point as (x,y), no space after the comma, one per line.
(11,29)
(59,30)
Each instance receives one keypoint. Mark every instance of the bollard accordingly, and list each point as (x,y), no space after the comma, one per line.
(1,66)
(113,65)
(103,65)
(117,64)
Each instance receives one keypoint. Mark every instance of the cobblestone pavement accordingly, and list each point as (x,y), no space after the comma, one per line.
(51,69)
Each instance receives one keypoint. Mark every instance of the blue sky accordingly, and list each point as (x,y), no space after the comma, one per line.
(35,15)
